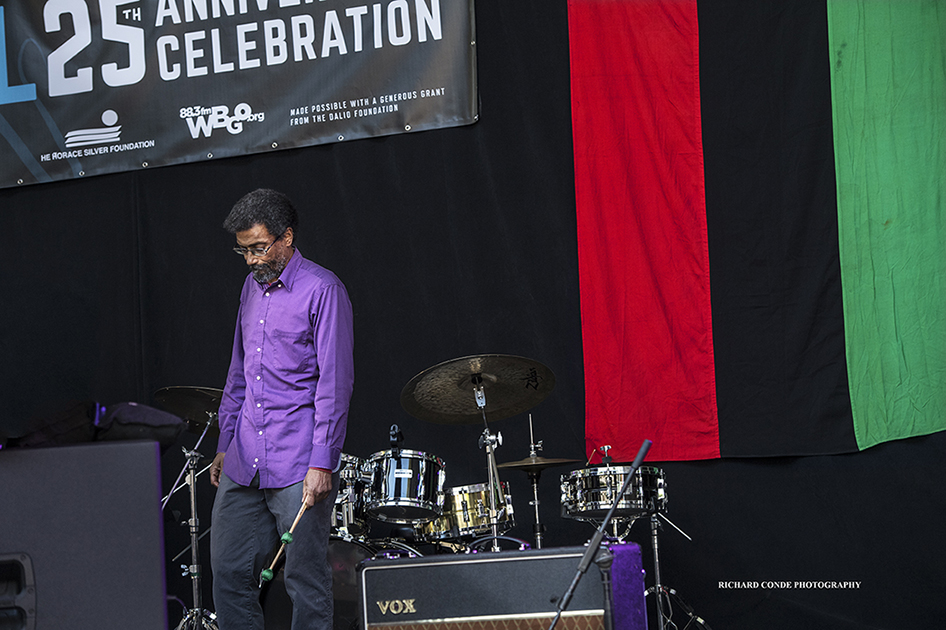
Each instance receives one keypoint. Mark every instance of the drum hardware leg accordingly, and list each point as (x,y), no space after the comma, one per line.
(616,529)
(616,535)
(534,447)
(391,548)
(538,528)
(479,542)
(493,480)
(343,534)
(662,593)
(196,618)
(657,588)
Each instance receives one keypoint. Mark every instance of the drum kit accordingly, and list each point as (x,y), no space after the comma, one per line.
(406,488)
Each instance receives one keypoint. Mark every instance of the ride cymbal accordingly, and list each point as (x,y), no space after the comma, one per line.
(445,393)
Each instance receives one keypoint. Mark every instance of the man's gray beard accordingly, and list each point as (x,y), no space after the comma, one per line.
(264,273)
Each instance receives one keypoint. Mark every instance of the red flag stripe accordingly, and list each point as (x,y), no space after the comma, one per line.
(642,244)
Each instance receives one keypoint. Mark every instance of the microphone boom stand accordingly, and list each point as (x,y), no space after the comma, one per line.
(595,543)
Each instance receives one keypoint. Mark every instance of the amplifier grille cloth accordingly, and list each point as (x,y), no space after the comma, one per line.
(572,622)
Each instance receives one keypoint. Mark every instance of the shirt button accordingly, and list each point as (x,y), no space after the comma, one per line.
(259,349)
(267,294)
(261,433)
(256,460)
(259,405)
(261,321)
(258,378)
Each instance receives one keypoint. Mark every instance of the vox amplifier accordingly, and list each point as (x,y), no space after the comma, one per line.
(508,590)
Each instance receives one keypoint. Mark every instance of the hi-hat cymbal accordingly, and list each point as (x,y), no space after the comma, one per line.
(193,404)
(536,464)
(444,394)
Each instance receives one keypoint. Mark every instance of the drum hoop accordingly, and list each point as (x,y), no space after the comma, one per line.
(599,471)
(358,543)
(470,489)
(409,454)
(403,503)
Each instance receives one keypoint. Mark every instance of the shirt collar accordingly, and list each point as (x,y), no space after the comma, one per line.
(288,275)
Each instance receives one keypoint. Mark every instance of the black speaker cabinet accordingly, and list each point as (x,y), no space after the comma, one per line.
(81,538)
(509,590)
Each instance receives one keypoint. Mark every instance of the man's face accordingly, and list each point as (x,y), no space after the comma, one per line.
(267,267)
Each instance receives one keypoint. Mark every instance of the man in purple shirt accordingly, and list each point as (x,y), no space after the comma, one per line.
(283,418)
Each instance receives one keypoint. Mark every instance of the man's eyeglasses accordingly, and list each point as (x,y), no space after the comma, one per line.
(259,252)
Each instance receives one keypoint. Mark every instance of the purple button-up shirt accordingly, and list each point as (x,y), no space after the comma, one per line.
(285,404)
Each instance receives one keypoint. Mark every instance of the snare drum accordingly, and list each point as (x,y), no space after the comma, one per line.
(406,486)
(588,494)
(466,513)
(348,514)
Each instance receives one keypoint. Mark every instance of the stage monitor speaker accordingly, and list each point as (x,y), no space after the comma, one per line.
(510,590)
(81,538)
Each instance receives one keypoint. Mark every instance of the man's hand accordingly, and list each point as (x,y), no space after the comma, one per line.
(317,485)
(215,469)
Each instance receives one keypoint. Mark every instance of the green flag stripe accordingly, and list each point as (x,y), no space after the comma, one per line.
(888,81)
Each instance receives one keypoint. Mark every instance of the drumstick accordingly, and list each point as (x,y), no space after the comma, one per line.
(267,574)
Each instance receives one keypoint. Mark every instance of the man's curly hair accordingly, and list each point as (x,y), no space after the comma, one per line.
(263,206)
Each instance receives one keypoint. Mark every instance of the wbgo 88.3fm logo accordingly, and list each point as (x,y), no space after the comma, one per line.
(204,120)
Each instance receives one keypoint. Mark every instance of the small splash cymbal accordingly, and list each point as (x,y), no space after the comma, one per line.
(536,464)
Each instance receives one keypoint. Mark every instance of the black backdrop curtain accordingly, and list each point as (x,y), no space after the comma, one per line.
(452,242)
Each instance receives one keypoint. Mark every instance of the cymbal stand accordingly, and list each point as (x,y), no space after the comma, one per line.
(534,448)
(211,419)
(196,618)
(490,442)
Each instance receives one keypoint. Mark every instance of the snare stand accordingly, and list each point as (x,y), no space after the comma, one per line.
(661,593)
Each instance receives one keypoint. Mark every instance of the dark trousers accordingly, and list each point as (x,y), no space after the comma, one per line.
(246,528)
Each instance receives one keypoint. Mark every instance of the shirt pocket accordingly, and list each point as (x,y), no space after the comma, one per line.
(292,350)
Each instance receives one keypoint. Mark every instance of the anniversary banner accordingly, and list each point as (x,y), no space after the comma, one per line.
(97,86)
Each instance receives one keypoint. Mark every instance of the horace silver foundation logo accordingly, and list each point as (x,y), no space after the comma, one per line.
(111,132)
(96,141)
(397,606)
(204,120)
